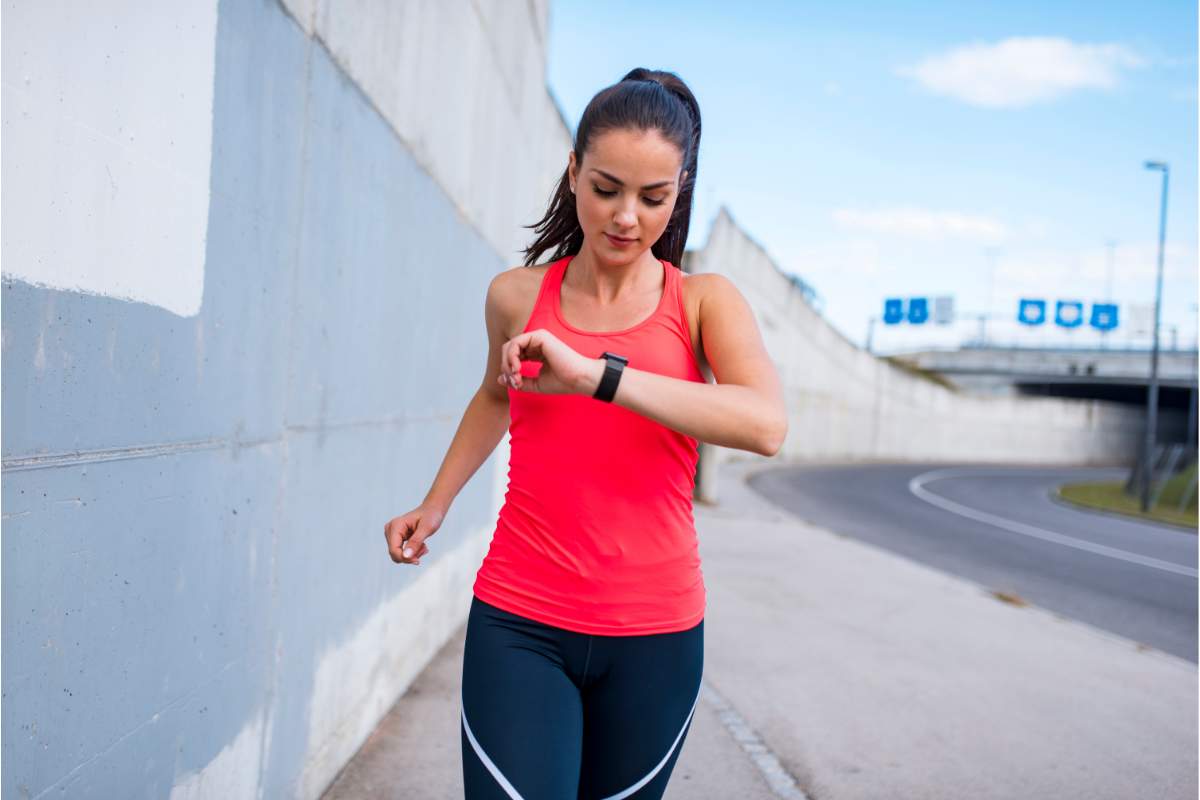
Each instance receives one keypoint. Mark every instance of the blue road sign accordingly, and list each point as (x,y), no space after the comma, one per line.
(1069,313)
(893,310)
(1032,312)
(918,310)
(1104,316)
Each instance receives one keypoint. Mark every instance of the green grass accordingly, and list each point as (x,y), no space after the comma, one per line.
(1110,496)
(901,363)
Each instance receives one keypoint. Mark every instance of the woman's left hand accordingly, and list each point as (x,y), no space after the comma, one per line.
(564,371)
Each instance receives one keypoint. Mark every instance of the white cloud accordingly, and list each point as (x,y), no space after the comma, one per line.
(920,223)
(1133,268)
(1019,71)
(818,262)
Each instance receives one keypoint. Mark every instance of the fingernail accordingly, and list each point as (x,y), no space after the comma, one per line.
(408,552)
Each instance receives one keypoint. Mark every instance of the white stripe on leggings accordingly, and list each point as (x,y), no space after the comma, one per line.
(487,762)
(626,792)
(515,795)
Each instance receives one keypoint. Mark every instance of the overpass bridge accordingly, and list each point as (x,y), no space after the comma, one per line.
(1103,373)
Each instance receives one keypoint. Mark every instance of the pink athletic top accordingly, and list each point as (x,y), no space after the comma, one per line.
(596,533)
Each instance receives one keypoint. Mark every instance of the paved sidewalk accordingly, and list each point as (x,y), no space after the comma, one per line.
(864,675)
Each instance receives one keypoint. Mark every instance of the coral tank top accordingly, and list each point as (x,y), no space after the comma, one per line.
(596,534)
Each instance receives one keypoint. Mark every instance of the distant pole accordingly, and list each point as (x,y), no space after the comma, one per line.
(870,331)
(1191,442)
(1108,281)
(991,257)
(1152,398)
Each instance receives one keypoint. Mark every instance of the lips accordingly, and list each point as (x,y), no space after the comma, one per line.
(620,239)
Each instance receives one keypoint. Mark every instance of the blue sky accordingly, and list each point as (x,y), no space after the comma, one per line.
(902,149)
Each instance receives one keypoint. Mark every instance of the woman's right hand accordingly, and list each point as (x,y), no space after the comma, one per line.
(409,532)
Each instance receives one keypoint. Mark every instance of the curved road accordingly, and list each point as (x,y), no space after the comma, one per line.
(998,526)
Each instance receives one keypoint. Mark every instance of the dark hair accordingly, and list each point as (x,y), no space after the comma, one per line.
(643,100)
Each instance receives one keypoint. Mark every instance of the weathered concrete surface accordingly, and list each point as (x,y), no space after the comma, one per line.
(202,444)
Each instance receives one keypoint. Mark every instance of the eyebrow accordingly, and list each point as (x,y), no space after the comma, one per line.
(619,182)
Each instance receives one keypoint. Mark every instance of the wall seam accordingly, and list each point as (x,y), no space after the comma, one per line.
(284,438)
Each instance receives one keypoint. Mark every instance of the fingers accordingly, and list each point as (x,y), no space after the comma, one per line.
(417,552)
(514,354)
(510,362)
(401,536)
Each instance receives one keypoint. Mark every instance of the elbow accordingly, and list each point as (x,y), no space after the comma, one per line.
(772,439)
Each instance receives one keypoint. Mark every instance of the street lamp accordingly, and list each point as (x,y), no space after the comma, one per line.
(1152,398)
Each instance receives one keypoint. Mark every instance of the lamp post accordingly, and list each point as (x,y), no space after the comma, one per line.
(1108,281)
(1152,396)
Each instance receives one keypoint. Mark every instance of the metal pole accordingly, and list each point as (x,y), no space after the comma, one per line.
(991,257)
(1191,440)
(870,331)
(1152,398)
(1108,287)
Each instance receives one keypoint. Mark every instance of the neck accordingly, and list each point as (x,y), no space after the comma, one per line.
(608,281)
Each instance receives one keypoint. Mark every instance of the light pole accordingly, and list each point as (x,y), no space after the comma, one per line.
(990,252)
(1152,397)
(1108,281)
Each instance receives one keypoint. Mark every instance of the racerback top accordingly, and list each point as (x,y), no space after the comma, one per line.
(596,533)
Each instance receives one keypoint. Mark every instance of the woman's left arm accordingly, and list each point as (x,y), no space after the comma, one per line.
(744,409)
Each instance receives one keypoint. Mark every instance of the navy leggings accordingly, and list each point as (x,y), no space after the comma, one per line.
(553,714)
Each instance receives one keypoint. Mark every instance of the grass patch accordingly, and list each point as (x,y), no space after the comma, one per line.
(1110,496)
(1009,597)
(933,376)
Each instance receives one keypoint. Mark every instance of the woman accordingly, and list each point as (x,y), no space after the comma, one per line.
(584,645)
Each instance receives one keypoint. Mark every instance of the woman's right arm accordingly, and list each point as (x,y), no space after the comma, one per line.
(482,426)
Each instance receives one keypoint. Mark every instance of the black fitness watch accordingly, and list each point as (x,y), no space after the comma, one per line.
(612,376)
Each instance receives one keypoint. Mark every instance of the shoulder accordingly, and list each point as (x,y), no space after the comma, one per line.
(711,288)
(512,294)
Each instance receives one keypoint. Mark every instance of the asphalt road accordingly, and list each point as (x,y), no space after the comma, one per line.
(998,526)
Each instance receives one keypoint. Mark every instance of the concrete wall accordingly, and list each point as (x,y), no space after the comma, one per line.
(846,404)
(245,252)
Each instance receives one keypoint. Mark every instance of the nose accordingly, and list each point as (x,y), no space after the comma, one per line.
(626,216)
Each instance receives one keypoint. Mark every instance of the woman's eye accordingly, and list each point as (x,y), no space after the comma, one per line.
(611,192)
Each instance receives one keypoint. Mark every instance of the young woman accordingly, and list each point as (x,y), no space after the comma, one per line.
(584,645)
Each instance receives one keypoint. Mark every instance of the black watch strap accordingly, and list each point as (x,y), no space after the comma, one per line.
(613,368)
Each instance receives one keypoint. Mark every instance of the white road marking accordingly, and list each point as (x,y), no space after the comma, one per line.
(917,487)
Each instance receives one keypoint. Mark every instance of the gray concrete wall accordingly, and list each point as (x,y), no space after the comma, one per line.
(230,356)
(846,404)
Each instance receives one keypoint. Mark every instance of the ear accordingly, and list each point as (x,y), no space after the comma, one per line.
(682,177)
(572,167)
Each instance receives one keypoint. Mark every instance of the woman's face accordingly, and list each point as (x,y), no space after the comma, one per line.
(625,187)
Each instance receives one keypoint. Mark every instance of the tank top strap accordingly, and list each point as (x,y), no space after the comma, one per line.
(676,308)
(547,292)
